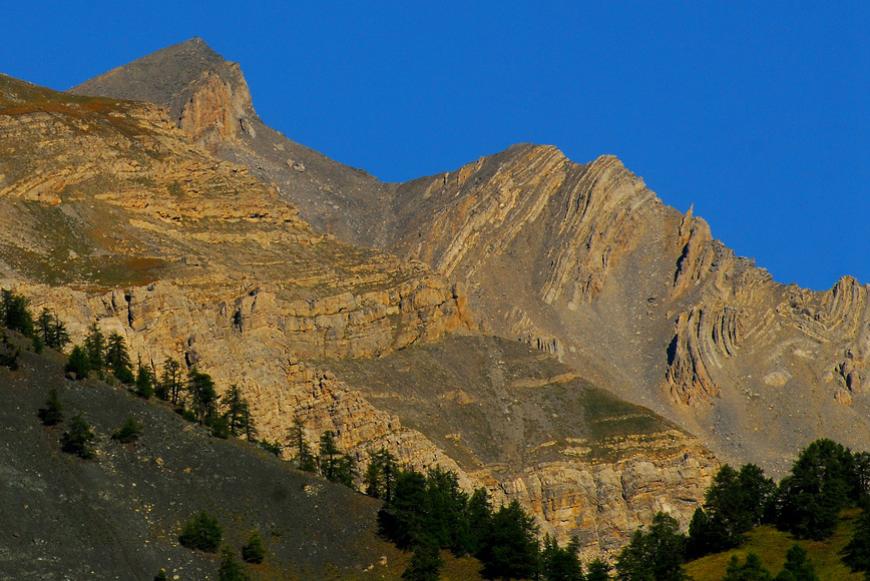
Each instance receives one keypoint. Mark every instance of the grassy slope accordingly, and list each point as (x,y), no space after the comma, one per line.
(771,546)
(118,516)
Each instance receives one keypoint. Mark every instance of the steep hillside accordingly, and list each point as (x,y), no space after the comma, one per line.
(118,516)
(111,213)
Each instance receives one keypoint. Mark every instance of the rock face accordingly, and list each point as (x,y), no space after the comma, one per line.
(585,261)
(115,212)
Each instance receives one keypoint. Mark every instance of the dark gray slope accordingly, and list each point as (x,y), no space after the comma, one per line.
(118,516)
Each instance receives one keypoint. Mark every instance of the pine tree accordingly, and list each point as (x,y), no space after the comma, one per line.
(558,563)
(253,551)
(274,448)
(857,553)
(118,359)
(14,313)
(305,460)
(78,364)
(811,497)
(751,570)
(479,518)
(77,440)
(238,414)
(203,397)
(202,532)
(52,413)
(129,431)
(444,514)
(797,566)
(328,455)
(510,550)
(380,477)
(51,330)
(9,353)
(171,384)
(598,570)
(144,382)
(425,564)
(95,348)
(230,568)
(654,554)
(401,520)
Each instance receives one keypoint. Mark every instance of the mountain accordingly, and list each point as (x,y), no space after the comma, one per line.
(585,262)
(114,212)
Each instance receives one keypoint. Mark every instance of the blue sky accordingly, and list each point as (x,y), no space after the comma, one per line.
(758,113)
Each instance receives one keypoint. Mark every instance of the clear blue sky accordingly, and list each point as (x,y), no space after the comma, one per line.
(756,112)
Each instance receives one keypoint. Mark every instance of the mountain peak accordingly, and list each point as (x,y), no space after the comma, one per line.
(206,95)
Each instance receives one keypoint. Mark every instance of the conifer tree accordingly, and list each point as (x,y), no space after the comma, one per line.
(118,359)
(558,563)
(78,364)
(751,570)
(51,330)
(203,397)
(654,554)
(811,497)
(230,568)
(510,549)
(856,554)
(15,314)
(380,477)
(171,384)
(237,413)
(129,431)
(598,570)
(797,567)
(425,564)
(9,353)
(52,413)
(253,551)
(305,460)
(77,440)
(95,348)
(144,382)
(202,532)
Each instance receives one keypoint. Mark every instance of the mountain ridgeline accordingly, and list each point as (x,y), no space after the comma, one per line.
(546,330)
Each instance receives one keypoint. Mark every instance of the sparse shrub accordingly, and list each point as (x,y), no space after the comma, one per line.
(78,366)
(52,413)
(230,569)
(37,344)
(129,431)
(77,440)
(9,354)
(161,575)
(751,570)
(253,551)
(202,533)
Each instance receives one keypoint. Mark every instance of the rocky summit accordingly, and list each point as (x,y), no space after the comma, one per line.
(545,329)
